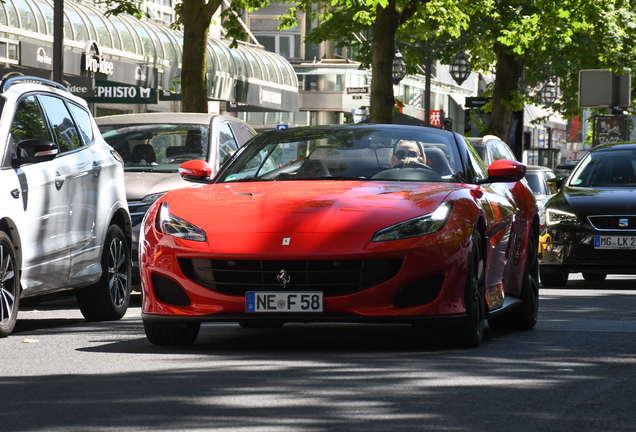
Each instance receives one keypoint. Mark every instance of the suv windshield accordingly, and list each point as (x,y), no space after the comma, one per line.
(155,147)
(346,153)
(606,168)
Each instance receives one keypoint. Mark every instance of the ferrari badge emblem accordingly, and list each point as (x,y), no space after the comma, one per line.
(286,241)
(283,278)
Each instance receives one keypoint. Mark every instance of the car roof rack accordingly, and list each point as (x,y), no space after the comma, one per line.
(8,82)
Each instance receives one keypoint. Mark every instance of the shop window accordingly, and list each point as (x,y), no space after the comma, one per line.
(13,52)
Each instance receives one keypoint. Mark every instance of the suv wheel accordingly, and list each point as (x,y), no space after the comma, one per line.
(108,299)
(9,286)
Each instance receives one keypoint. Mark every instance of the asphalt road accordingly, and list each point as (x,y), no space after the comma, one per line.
(576,371)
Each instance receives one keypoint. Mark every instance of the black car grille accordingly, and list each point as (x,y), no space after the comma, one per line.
(137,211)
(586,253)
(332,277)
(612,222)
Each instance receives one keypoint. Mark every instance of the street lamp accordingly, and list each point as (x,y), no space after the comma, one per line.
(459,67)
(399,68)
(549,93)
(428,52)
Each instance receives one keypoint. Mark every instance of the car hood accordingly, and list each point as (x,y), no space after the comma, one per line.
(140,184)
(589,201)
(305,206)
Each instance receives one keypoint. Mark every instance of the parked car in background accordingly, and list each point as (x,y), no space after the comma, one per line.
(564,169)
(537,178)
(347,223)
(64,222)
(591,221)
(154,145)
(491,148)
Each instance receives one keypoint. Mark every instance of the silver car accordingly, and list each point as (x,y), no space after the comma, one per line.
(491,148)
(64,223)
(154,145)
(537,178)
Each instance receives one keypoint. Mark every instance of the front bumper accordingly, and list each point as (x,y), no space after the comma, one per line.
(574,251)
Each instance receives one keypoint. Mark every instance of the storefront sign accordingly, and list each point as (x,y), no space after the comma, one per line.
(436,117)
(111,92)
(357,90)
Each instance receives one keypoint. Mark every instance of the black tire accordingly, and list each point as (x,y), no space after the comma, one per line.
(108,299)
(471,333)
(253,324)
(9,286)
(175,334)
(559,279)
(524,317)
(594,277)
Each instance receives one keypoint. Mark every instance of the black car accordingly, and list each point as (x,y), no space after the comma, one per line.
(591,221)
(564,169)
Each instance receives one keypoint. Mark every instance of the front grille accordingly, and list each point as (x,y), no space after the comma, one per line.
(612,222)
(137,211)
(332,277)
(586,253)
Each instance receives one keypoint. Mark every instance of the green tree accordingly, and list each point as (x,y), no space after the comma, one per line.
(520,38)
(194,18)
(382,21)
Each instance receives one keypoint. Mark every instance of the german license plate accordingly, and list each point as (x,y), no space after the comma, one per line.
(615,242)
(272,301)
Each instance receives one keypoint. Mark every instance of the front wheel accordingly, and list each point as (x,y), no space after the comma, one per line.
(594,277)
(108,299)
(471,333)
(9,286)
(176,334)
(559,279)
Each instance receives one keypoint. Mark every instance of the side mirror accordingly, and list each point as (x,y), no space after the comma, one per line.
(556,183)
(196,171)
(34,151)
(504,171)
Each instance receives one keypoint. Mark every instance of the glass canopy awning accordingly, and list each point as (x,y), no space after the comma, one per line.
(239,75)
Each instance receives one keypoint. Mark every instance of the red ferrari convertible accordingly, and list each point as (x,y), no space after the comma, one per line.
(360,223)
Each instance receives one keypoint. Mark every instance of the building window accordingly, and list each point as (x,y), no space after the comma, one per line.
(282,44)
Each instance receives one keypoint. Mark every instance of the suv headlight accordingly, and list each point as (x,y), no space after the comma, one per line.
(553,217)
(171,225)
(423,225)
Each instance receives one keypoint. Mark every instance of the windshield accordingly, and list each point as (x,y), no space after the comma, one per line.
(606,168)
(158,147)
(354,152)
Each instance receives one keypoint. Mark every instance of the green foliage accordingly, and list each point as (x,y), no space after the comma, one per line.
(130,7)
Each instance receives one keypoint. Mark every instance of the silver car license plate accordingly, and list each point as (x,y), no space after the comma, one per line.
(615,242)
(276,301)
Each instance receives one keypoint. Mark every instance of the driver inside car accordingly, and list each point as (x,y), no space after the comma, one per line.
(407,154)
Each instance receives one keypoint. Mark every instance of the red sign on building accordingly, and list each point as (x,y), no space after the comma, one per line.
(574,130)
(436,118)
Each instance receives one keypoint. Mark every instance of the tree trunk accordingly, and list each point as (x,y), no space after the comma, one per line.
(197,17)
(382,99)
(509,71)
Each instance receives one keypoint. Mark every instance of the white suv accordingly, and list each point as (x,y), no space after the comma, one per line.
(64,222)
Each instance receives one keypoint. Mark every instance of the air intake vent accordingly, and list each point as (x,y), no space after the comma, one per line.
(332,277)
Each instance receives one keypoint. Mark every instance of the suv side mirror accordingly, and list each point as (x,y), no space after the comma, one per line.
(556,183)
(34,151)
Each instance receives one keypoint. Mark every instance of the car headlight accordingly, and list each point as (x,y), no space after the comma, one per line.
(423,225)
(171,225)
(553,217)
